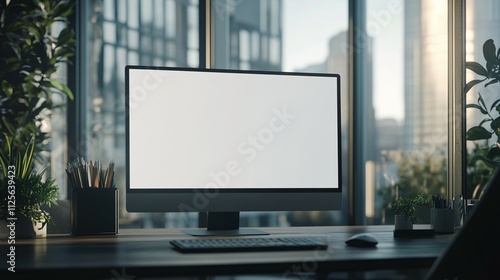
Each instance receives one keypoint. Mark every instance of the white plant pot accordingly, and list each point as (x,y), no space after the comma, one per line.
(40,232)
(25,228)
(402,222)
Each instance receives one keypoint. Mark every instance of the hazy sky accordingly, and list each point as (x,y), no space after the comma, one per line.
(308,25)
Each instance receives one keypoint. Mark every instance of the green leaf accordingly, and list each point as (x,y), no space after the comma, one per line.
(489,51)
(481,102)
(10,128)
(478,133)
(16,49)
(485,121)
(495,124)
(6,159)
(477,68)
(35,32)
(496,105)
(472,83)
(62,53)
(481,153)
(62,87)
(494,81)
(65,36)
(65,8)
(27,159)
(494,153)
(489,162)
(475,106)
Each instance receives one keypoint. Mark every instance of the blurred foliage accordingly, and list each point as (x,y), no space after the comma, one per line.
(489,127)
(418,173)
(30,55)
(478,174)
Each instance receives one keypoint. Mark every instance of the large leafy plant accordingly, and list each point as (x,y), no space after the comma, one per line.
(30,55)
(488,128)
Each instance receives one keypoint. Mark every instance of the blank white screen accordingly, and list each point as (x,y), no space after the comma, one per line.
(190,129)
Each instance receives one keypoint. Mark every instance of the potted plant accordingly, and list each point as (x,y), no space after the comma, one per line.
(487,154)
(404,209)
(32,50)
(30,55)
(23,191)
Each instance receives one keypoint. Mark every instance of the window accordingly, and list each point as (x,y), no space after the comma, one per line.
(482,18)
(404,103)
(398,51)
(147,32)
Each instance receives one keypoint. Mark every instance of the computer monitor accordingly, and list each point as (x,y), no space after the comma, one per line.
(226,141)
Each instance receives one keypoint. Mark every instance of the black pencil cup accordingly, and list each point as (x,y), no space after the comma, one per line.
(94,211)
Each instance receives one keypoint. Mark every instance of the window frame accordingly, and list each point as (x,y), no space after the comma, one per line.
(76,119)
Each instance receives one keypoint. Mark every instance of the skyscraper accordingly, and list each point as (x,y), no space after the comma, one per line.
(248,35)
(426,75)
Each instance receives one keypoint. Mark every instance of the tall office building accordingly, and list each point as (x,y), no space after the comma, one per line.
(337,62)
(426,62)
(248,35)
(426,75)
(158,33)
(117,33)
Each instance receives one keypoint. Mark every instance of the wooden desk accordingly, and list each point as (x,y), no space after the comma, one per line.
(147,252)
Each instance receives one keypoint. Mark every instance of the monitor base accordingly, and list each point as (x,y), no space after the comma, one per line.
(223,224)
(226,232)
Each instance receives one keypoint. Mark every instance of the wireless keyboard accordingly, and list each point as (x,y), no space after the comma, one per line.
(248,244)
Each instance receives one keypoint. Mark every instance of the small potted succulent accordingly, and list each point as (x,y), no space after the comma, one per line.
(404,209)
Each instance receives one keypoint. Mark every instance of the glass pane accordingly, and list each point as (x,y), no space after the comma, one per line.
(482,21)
(405,116)
(55,125)
(291,35)
(143,39)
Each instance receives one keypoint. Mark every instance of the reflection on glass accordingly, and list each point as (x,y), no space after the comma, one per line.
(54,124)
(481,25)
(291,35)
(144,33)
(409,99)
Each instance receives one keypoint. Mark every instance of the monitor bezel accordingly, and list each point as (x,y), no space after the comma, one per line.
(229,199)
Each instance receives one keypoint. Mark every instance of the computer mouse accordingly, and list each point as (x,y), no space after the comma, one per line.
(362,240)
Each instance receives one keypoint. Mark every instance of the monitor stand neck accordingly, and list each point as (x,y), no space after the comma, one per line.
(223,224)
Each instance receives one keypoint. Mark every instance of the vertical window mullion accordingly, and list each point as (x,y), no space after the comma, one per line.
(456,110)
(357,26)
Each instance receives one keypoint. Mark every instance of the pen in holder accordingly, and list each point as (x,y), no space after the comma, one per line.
(442,215)
(94,199)
(443,220)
